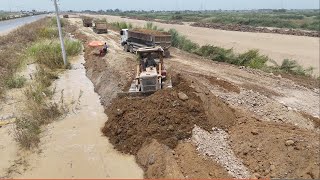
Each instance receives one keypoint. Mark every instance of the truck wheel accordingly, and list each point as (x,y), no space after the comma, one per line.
(125,48)
(131,49)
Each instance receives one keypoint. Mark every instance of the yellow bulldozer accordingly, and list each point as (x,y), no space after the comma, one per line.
(151,74)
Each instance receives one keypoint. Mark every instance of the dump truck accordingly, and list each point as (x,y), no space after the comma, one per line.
(132,40)
(100,27)
(151,74)
(66,16)
(87,21)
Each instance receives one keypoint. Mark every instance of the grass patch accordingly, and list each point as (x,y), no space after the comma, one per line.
(292,67)
(121,25)
(15,82)
(49,52)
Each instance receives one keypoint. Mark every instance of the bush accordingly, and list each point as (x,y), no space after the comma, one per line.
(216,53)
(15,82)
(291,66)
(150,26)
(252,59)
(182,42)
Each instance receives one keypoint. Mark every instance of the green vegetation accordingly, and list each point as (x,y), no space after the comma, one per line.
(15,82)
(251,58)
(121,25)
(292,67)
(302,19)
(49,52)
(42,39)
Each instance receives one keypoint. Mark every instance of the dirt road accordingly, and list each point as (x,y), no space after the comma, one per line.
(277,116)
(278,47)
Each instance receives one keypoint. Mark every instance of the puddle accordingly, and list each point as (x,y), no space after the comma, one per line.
(74,146)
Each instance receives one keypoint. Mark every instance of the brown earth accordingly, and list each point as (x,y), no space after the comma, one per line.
(244,28)
(143,124)
(161,116)
(159,161)
(263,149)
(302,80)
(149,31)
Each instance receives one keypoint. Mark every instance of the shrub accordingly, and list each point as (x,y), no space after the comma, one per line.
(150,26)
(291,66)
(15,82)
(252,59)
(216,53)
(182,42)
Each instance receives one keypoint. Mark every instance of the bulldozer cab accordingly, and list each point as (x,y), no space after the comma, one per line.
(149,75)
(150,56)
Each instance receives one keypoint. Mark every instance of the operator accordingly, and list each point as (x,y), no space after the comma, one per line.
(150,61)
(104,49)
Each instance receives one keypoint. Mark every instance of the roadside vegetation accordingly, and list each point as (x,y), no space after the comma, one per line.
(35,43)
(295,19)
(251,58)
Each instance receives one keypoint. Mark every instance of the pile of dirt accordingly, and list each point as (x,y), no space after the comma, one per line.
(245,28)
(159,161)
(269,149)
(168,116)
(150,32)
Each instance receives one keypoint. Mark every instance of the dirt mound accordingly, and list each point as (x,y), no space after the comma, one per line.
(245,28)
(149,31)
(278,151)
(162,116)
(159,161)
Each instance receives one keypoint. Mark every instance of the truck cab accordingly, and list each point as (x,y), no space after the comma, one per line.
(124,36)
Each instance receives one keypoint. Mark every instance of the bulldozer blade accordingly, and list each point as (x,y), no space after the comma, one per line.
(134,94)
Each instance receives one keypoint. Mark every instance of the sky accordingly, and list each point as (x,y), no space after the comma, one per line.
(158,4)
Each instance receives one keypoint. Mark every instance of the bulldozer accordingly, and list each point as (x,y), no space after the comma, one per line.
(151,74)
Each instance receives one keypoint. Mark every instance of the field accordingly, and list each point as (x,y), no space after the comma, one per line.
(304,19)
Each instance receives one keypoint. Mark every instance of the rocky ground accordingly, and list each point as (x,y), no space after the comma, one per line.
(263,125)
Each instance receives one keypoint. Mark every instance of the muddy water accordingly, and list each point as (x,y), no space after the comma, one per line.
(74,146)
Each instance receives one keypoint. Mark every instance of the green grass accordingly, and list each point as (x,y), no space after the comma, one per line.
(121,25)
(49,52)
(15,82)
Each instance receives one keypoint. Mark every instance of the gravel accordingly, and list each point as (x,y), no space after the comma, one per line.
(216,146)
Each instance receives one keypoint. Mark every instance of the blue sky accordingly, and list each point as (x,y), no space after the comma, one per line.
(159,4)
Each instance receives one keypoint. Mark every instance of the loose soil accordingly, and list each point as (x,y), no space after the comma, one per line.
(161,116)
(149,31)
